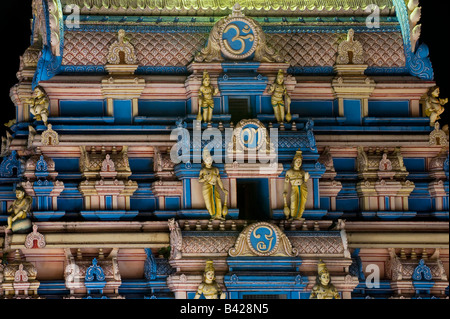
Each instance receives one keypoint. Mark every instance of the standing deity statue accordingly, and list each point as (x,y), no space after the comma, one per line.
(434,106)
(39,104)
(280,98)
(20,208)
(210,177)
(176,239)
(205,99)
(209,288)
(324,289)
(297,178)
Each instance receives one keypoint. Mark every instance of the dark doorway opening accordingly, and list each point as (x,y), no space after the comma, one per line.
(239,108)
(253,199)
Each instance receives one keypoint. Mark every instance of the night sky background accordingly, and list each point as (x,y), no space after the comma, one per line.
(16,32)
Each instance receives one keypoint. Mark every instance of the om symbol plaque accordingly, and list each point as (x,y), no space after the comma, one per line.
(262,239)
(238,38)
(250,135)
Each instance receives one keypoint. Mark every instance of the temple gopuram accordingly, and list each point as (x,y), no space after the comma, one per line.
(225,149)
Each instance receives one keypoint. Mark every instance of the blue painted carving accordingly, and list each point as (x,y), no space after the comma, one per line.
(41,165)
(234,278)
(41,170)
(356,268)
(156,267)
(316,70)
(11,166)
(279,28)
(310,135)
(97,69)
(144,28)
(150,266)
(422,272)
(299,280)
(179,70)
(94,272)
(417,61)
(49,64)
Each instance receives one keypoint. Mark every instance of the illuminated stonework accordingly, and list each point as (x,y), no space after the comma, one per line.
(275,149)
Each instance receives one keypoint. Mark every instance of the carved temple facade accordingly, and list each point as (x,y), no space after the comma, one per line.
(115,216)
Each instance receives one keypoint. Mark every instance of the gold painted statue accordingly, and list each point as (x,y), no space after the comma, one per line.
(20,208)
(205,99)
(297,178)
(280,98)
(209,288)
(434,106)
(324,289)
(210,177)
(39,104)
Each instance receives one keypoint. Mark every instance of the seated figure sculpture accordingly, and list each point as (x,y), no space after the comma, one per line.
(39,104)
(434,106)
(209,288)
(19,210)
(324,289)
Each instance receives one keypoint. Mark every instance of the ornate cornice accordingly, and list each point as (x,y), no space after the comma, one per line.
(223,7)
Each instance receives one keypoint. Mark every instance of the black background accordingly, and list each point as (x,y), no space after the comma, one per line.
(16,32)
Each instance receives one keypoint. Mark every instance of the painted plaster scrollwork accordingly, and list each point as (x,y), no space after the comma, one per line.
(21,275)
(350,51)
(262,239)
(422,272)
(438,136)
(49,137)
(94,272)
(121,51)
(394,267)
(326,159)
(362,160)
(385,164)
(108,164)
(414,13)
(35,239)
(11,166)
(54,21)
(6,143)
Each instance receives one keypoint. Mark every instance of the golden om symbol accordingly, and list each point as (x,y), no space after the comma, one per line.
(261,246)
(238,37)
